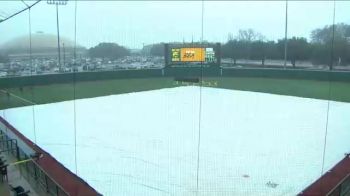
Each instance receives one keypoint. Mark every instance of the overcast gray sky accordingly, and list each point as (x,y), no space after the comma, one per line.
(133,23)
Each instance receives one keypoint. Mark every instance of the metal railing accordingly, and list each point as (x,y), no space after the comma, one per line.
(36,176)
(342,189)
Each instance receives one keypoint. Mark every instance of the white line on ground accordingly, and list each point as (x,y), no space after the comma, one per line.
(18,97)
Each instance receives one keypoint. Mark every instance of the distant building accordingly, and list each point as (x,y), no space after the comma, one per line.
(3,74)
(43,45)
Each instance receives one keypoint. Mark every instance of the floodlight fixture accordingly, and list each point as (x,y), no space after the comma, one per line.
(57,2)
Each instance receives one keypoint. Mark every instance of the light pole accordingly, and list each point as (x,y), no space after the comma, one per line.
(30,38)
(57,3)
(285,37)
(333,31)
(64,56)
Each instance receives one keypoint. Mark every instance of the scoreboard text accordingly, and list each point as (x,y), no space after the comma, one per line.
(193,55)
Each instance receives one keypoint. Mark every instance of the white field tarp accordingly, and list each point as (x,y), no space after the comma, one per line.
(146,143)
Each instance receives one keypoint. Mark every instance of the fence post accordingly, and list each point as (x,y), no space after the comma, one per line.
(35,173)
(2,138)
(46,184)
(11,147)
(26,167)
(17,152)
(7,145)
(57,192)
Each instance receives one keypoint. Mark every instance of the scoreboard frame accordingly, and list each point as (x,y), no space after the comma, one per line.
(192,54)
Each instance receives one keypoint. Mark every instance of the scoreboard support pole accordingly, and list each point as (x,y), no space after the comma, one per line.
(218,54)
(166,54)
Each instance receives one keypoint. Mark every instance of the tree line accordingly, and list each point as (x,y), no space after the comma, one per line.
(322,48)
(108,50)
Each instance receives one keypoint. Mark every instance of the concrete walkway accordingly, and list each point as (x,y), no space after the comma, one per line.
(15,178)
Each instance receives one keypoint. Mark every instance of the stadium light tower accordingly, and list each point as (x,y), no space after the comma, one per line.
(57,3)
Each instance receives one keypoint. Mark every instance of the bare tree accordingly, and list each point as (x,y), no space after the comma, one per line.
(249,35)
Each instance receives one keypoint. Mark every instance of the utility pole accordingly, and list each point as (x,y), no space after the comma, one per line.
(57,3)
(333,31)
(143,49)
(64,56)
(58,38)
(285,37)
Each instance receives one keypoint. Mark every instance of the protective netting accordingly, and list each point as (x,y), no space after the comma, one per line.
(9,9)
(181,98)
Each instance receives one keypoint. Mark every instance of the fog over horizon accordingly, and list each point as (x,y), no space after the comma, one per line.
(137,23)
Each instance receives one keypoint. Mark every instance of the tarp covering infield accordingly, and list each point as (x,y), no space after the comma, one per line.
(145,143)
(70,183)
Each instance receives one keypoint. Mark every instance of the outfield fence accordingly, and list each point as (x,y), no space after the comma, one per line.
(199,72)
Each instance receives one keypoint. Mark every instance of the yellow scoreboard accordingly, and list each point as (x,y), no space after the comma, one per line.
(192,54)
(183,55)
